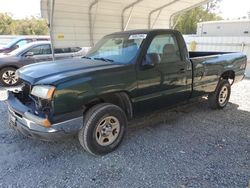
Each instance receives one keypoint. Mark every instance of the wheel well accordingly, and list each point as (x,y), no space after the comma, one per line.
(12,66)
(120,99)
(228,75)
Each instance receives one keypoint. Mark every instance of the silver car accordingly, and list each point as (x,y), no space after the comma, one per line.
(31,53)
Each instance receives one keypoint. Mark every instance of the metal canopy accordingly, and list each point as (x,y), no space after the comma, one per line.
(83,22)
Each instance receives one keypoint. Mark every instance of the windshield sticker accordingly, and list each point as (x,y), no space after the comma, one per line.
(137,36)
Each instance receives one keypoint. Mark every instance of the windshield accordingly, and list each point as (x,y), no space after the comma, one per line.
(117,48)
(18,50)
(12,42)
(23,48)
(5,41)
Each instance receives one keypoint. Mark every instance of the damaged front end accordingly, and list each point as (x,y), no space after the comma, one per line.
(31,112)
(38,107)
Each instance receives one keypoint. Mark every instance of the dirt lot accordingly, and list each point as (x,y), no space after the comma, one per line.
(192,146)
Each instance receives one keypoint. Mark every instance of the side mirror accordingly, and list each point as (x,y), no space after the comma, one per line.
(16,46)
(151,60)
(29,54)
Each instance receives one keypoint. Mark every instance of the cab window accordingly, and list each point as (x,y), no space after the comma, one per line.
(166,47)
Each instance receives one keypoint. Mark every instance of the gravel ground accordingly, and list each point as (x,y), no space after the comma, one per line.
(191,146)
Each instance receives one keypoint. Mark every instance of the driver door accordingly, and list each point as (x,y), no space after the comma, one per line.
(164,83)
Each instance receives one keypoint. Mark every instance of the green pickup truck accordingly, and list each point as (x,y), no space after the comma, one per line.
(123,75)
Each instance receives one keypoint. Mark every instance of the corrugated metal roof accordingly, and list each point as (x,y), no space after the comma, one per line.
(83,22)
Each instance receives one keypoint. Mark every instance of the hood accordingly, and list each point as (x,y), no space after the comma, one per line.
(2,48)
(5,55)
(2,56)
(54,73)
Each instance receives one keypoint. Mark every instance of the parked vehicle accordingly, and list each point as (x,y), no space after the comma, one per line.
(225,28)
(28,54)
(6,39)
(123,75)
(18,42)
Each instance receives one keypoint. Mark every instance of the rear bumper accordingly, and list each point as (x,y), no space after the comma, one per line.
(26,125)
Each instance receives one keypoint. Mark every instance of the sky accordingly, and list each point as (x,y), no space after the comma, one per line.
(233,9)
(229,9)
(21,8)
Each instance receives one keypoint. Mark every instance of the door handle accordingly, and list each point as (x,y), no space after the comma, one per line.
(182,70)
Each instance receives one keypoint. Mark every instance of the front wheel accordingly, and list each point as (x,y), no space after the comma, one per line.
(103,130)
(8,77)
(220,97)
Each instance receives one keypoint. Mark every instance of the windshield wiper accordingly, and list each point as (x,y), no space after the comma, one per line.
(104,59)
(86,57)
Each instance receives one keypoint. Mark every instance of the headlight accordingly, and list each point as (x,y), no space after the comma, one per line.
(44,92)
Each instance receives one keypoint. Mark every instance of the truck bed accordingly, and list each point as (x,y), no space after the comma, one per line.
(208,67)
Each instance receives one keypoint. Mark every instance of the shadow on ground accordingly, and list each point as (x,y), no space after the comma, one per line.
(190,146)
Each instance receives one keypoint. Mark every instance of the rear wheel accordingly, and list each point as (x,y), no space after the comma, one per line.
(8,77)
(103,130)
(220,97)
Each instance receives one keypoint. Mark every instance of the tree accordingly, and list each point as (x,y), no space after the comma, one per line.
(187,22)
(5,23)
(32,26)
(27,26)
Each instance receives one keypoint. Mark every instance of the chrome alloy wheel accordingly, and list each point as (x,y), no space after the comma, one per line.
(107,130)
(223,95)
(9,77)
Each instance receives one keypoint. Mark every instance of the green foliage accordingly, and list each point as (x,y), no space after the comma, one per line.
(187,22)
(5,23)
(27,26)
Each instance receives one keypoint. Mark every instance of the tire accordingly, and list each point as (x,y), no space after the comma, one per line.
(103,129)
(8,77)
(220,97)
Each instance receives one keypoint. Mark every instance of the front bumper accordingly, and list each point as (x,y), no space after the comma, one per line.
(22,120)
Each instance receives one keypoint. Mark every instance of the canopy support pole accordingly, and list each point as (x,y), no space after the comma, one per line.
(130,15)
(91,24)
(51,24)
(158,9)
(158,15)
(184,10)
(129,18)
